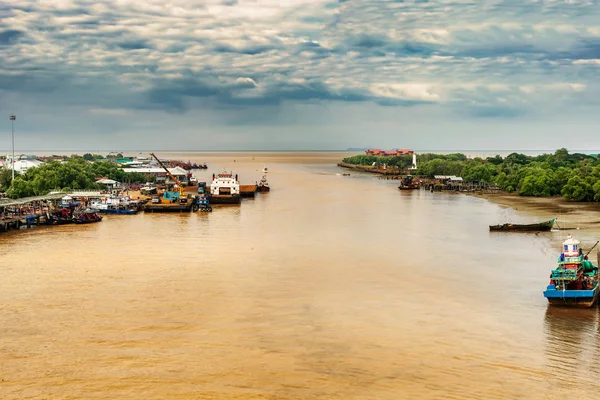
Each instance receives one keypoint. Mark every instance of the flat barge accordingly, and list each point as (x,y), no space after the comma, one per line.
(180,208)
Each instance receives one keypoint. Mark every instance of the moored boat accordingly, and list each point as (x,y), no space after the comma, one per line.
(575,282)
(263,185)
(117,205)
(539,227)
(408,183)
(86,217)
(225,189)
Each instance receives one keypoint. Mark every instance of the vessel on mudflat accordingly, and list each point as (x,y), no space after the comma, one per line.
(574,283)
(539,227)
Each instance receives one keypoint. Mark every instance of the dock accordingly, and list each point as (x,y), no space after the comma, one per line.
(27,211)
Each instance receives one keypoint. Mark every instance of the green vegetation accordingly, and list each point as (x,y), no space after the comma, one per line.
(75,173)
(575,176)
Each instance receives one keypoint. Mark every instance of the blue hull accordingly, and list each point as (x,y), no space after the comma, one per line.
(125,212)
(571,298)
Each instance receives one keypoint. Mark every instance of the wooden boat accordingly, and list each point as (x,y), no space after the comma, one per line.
(539,227)
(87,217)
(408,184)
(574,283)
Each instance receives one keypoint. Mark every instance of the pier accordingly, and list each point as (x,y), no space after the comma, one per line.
(27,211)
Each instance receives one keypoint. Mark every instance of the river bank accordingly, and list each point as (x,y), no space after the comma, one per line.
(569,214)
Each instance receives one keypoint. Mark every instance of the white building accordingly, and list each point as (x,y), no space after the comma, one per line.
(22,163)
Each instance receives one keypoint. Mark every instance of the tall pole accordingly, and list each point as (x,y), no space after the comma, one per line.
(12,122)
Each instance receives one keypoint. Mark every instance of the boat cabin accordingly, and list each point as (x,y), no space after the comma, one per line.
(571,247)
(225,184)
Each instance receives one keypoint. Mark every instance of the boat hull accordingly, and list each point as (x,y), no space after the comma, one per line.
(263,189)
(86,222)
(572,298)
(168,208)
(248,191)
(225,199)
(541,227)
(118,212)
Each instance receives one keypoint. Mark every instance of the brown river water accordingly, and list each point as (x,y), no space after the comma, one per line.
(329,287)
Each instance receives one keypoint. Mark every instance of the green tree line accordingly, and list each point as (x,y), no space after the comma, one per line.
(75,173)
(575,176)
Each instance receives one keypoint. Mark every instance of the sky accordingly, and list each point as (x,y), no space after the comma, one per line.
(295,74)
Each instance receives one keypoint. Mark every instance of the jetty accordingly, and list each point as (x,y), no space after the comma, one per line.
(27,211)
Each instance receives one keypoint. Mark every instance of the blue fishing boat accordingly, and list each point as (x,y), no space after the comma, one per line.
(575,282)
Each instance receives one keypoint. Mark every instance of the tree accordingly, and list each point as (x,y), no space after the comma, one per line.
(577,189)
(88,157)
(6,178)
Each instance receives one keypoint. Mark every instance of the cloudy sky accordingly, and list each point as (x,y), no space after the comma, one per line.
(300,74)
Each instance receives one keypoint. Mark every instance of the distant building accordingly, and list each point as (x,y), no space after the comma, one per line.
(22,163)
(389,153)
(160,174)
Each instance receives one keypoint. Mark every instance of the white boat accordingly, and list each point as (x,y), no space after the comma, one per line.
(263,185)
(116,205)
(265,170)
(225,189)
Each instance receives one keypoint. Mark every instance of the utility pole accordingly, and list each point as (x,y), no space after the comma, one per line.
(12,122)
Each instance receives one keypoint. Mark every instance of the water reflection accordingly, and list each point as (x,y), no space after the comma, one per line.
(572,346)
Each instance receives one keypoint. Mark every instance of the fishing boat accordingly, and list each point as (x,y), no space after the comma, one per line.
(575,282)
(408,184)
(263,185)
(265,170)
(539,227)
(86,217)
(225,189)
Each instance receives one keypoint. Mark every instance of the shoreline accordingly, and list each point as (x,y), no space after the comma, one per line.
(569,214)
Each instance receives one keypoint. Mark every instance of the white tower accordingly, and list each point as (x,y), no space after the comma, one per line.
(414,163)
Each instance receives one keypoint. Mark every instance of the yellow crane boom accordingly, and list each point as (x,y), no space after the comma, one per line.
(170,175)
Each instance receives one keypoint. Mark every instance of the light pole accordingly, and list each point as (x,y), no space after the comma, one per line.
(12,122)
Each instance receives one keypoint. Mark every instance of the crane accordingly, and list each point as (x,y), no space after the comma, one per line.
(181,195)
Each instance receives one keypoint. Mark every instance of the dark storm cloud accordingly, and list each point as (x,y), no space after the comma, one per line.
(497,60)
(10,36)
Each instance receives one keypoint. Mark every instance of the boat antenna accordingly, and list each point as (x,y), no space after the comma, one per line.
(588,253)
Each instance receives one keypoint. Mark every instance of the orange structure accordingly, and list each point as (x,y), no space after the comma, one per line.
(389,153)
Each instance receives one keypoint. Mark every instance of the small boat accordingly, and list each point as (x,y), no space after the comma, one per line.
(202,204)
(263,185)
(265,170)
(86,217)
(575,282)
(539,227)
(408,184)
